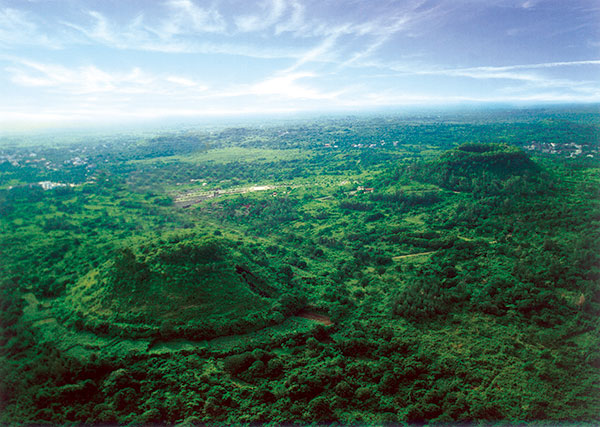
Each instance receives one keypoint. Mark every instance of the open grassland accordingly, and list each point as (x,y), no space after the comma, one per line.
(231,155)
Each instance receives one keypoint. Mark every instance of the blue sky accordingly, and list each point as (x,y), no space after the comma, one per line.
(82,60)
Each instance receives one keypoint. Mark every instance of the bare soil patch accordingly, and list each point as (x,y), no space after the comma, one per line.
(317,317)
(396,258)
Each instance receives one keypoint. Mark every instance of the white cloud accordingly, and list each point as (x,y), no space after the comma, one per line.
(89,79)
(186,27)
(368,51)
(176,33)
(19,28)
(287,86)
(526,73)
(104,32)
(541,65)
(186,17)
(321,52)
(80,80)
(529,4)
(185,82)
(534,75)
(295,21)
(273,11)
(352,42)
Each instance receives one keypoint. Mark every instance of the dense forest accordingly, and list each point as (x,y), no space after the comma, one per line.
(385,269)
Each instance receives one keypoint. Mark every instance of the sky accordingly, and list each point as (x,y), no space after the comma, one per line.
(67,61)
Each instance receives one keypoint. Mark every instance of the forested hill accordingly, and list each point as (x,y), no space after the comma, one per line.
(184,286)
(472,165)
(500,160)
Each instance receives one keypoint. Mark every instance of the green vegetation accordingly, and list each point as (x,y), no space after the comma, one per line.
(356,270)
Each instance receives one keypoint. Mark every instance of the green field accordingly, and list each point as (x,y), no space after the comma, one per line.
(231,154)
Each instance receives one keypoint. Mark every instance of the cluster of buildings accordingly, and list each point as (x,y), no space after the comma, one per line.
(569,150)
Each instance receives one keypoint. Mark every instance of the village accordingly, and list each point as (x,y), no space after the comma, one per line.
(568,150)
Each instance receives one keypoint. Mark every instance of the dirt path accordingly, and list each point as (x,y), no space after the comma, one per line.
(320,318)
(467,239)
(399,257)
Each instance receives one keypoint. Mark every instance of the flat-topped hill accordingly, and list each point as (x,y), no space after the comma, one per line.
(469,164)
(197,288)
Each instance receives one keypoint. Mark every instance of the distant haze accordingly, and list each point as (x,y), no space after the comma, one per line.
(81,62)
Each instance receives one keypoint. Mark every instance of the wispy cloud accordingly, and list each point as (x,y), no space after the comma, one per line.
(529,73)
(181,18)
(89,79)
(187,17)
(294,22)
(185,82)
(178,32)
(529,4)
(19,28)
(536,66)
(137,34)
(272,13)
(320,52)
(524,73)
(184,23)
(352,42)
